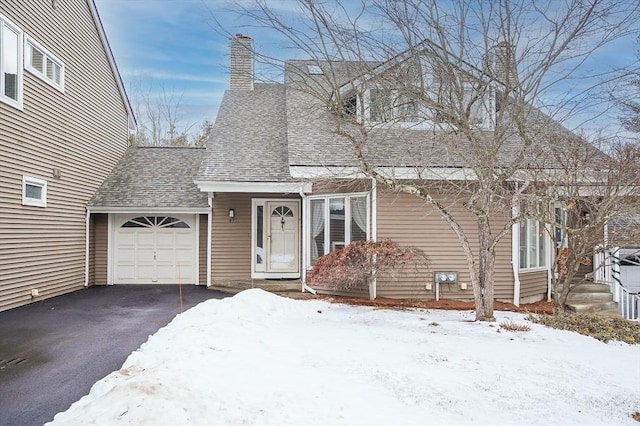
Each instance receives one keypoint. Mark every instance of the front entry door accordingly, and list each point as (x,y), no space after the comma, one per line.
(278,252)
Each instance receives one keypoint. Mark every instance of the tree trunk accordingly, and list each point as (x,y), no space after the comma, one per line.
(484,291)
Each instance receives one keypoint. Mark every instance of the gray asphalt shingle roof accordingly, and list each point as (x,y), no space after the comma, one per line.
(249,139)
(153,177)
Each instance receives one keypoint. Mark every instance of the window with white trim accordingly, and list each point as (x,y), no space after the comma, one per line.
(335,221)
(10,63)
(533,250)
(387,106)
(480,106)
(34,192)
(43,64)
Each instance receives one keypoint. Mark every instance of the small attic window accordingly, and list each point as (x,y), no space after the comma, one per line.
(314,70)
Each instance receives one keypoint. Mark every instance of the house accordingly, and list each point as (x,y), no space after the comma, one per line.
(284,189)
(64,125)
(277,187)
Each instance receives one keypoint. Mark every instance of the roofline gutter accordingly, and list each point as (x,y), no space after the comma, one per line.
(144,210)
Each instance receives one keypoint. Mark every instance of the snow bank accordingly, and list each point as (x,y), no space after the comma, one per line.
(257,358)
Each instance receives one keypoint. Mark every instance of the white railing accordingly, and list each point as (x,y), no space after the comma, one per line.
(606,270)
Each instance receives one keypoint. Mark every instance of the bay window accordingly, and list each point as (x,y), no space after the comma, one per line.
(335,221)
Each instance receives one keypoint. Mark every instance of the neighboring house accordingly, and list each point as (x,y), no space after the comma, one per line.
(64,125)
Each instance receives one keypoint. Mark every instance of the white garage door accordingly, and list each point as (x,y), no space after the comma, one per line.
(155,250)
(630,269)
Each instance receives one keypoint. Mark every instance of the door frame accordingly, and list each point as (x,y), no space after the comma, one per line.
(261,272)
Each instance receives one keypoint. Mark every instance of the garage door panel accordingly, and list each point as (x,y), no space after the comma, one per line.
(126,239)
(183,239)
(146,239)
(149,253)
(183,256)
(126,272)
(145,272)
(165,237)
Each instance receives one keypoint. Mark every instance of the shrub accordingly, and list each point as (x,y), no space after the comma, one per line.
(591,324)
(360,262)
(512,326)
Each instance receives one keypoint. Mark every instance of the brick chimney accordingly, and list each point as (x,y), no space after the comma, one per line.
(241,69)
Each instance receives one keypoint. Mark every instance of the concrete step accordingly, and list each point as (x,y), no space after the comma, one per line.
(599,307)
(590,288)
(589,297)
(274,286)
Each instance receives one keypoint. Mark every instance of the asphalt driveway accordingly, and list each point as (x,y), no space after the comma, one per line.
(52,352)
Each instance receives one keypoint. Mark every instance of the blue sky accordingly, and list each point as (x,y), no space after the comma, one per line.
(173,46)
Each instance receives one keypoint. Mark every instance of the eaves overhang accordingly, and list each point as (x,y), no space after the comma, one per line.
(261,187)
(145,210)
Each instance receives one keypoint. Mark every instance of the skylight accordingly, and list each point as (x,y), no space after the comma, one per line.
(314,70)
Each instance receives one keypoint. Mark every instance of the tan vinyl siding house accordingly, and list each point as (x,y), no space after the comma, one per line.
(69,134)
(271,141)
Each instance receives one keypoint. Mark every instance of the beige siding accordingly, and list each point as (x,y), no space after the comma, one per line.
(202,250)
(231,240)
(81,133)
(409,221)
(100,255)
(533,286)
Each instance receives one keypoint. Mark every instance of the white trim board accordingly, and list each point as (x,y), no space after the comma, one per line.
(141,210)
(257,187)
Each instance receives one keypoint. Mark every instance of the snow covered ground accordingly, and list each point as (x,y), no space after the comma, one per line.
(258,358)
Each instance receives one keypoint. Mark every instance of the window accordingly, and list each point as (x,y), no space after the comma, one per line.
(533,251)
(34,192)
(43,64)
(335,221)
(479,106)
(152,221)
(387,105)
(10,63)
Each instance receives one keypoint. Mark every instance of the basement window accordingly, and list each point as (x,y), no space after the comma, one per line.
(34,192)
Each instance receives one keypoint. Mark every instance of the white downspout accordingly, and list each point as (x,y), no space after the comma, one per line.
(86,247)
(515,252)
(303,252)
(550,259)
(374,224)
(209,222)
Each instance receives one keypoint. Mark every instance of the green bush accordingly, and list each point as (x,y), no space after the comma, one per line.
(591,324)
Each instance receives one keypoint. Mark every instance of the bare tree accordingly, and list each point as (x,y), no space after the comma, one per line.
(577,201)
(161,118)
(461,83)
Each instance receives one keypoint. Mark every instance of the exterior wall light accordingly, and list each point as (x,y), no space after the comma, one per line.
(232,215)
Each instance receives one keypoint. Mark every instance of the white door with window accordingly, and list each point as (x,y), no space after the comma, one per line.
(154,250)
(276,238)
